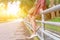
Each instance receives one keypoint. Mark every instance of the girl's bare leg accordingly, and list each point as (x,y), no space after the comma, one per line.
(34,25)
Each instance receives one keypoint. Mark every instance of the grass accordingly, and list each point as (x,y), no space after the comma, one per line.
(55,28)
(52,27)
(55,19)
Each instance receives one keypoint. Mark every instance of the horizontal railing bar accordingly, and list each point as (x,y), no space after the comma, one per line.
(51,23)
(27,23)
(53,33)
(30,25)
(54,8)
(48,34)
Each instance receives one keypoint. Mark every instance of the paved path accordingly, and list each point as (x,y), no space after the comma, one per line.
(14,30)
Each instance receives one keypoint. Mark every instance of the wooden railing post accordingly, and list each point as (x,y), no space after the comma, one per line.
(42,27)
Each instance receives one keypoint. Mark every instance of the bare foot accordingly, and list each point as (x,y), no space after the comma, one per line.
(32,36)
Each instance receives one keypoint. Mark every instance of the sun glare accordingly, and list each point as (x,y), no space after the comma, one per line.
(11,11)
(13,8)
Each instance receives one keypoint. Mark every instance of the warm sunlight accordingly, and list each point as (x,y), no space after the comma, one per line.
(13,8)
(11,11)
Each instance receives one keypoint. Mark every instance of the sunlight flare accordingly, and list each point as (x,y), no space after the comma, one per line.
(13,8)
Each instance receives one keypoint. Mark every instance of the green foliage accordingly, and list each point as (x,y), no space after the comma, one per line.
(47,3)
(59,1)
(56,19)
(26,4)
(56,1)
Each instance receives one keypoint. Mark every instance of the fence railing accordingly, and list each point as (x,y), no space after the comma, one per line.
(42,29)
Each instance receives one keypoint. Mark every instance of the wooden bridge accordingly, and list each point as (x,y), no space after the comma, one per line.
(17,29)
(14,30)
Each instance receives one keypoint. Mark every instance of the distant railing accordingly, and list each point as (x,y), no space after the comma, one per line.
(42,29)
